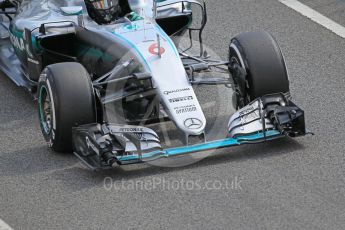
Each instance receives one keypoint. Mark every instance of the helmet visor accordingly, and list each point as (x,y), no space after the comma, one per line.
(103,4)
(106,11)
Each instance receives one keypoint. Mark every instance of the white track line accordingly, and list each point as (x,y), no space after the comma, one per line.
(315,16)
(4,226)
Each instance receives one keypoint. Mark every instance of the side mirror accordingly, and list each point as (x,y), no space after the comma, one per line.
(194,8)
(7,4)
(198,15)
(8,8)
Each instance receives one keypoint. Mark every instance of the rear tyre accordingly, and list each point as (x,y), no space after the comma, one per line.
(261,58)
(65,99)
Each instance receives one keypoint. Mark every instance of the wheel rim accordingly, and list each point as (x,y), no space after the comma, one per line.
(45,110)
(246,97)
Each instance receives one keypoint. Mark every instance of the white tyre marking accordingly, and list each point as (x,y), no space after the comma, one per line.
(315,16)
(239,56)
(52,103)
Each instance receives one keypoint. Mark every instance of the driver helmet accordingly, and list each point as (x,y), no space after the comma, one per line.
(107,11)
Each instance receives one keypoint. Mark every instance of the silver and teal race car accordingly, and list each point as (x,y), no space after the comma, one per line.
(112,79)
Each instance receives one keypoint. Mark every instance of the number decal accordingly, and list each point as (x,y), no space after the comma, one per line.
(153,49)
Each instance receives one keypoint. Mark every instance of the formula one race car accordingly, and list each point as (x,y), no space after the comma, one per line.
(107,72)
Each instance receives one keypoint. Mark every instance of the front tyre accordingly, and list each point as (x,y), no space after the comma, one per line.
(264,71)
(65,99)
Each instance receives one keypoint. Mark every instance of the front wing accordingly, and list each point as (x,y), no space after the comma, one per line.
(267,118)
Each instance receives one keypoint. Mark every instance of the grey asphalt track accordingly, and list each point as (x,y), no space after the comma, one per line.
(285,184)
(333,9)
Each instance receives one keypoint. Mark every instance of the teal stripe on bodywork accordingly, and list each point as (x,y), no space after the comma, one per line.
(163,34)
(16,32)
(201,147)
(20,34)
(134,47)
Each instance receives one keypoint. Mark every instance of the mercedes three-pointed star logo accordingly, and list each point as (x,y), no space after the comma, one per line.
(193,123)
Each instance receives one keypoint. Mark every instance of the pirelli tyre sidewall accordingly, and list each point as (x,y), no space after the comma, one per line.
(65,99)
